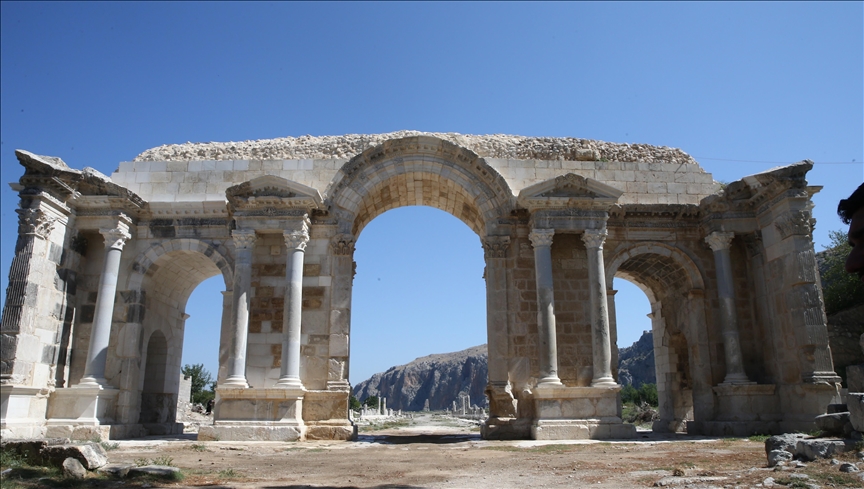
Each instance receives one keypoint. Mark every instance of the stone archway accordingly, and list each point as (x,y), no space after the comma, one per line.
(163,278)
(674,284)
(430,172)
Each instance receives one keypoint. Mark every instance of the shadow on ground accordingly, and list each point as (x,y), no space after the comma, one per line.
(407,439)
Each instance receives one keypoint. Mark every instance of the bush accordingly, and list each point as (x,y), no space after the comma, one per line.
(646,393)
(354,404)
(201,380)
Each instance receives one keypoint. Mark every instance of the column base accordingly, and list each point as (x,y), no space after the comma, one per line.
(273,414)
(505,428)
(604,382)
(22,411)
(82,412)
(572,413)
(236,382)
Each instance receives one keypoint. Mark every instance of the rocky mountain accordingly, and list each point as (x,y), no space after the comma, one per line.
(442,378)
(636,362)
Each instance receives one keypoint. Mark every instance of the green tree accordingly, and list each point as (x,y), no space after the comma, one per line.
(629,394)
(371,401)
(201,380)
(354,404)
(648,394)
(840,290)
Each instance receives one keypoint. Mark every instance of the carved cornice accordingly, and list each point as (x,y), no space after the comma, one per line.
(272,196)
(35,222)
(496,246)
(342,245)
(244,239)
(116,237)
(541,237)
(793,223)
(719,240)
(594,238)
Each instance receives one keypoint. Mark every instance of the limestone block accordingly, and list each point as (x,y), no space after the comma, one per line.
(855,378)
(251,433)
(855,402)
(73,469)
(778,457)
(832,423)
(339,345)
(161,471)
(91,455)
(813,449)
(115,470)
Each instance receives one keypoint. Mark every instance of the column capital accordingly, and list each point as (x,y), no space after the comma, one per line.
(594,238)
(719,240)
(117,236)
(496,246)
(296,240)
(342,244)
(35,221)
(541,237)
(244,239)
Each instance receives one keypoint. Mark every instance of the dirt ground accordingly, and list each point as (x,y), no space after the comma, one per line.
(439,452)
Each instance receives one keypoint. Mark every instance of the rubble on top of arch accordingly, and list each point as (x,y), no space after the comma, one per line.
(349,145)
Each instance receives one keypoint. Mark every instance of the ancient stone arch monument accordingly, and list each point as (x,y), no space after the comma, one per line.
(92,327)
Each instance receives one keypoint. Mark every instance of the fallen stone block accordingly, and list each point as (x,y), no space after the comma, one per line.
(855,402)
(31,449)
(161,471)
(814,449)
(776,457)
(115,470)
(73,469)
(848,468)
(787,442)
(832,424)
(91,455)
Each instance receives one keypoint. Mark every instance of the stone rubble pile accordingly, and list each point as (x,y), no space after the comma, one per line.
(350,145)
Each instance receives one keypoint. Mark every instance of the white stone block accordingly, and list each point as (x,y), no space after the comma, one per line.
(241,165)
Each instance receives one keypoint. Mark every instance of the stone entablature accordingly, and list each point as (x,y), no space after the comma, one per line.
(94,316)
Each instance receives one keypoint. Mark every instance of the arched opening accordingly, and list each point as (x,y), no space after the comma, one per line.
(156,402)
(661,274)
(419,290)
(177,268)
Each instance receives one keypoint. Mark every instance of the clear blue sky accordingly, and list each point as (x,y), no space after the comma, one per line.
(741,86)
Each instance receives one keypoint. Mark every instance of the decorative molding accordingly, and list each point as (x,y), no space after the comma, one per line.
(541,237)
(496,246)
(35,222)
(342,245)
(793,223)
(719,240)
(296,240)
(594,238)
(244,239)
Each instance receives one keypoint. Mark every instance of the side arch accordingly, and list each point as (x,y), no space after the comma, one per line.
(624,253)
(145,264)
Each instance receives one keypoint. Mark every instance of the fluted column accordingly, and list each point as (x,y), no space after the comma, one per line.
(244,244)
(97,352)
(295,241)
(541,239)
(600,339)
(720,243)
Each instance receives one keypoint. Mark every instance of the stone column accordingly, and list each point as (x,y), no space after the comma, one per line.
(720,242)
(296,242)
(244,243)
(613,330)
(97,352)
(600,339)
(541,239)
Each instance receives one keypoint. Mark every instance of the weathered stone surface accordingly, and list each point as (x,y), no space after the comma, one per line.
(775,457)
(787,442)
(115,470)
(161,471)
(855,403)
(832,424)
(91,455)
(848,468)
(855,377)
(815,449)
(30,449)
(73,469)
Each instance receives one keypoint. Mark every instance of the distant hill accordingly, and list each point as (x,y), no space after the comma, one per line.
(443,377)
(440,378)
(636,362)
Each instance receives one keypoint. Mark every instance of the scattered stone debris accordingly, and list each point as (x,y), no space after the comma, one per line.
(73,469)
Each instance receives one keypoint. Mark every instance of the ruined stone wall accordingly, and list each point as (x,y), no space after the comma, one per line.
(572,310)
